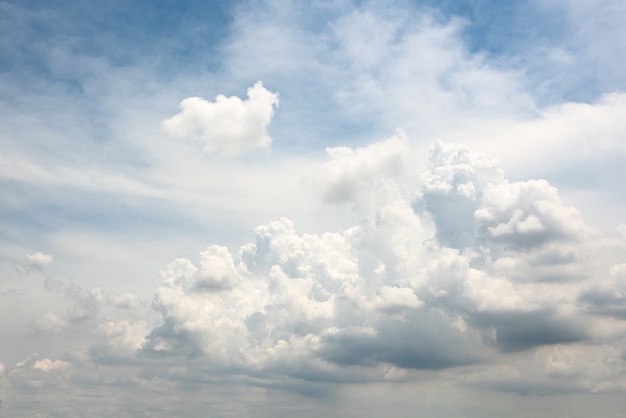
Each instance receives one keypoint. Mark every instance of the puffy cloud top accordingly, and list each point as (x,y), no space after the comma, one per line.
(452,190)
(526,214)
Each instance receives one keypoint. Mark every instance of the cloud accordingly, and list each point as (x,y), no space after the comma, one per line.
(48,365)
(452,190)
(421,64)
(50,322)
(526,215)
(228,126)
(34,373)
(37,261)
(436,274)
(364,177)
(216,271)
(117,340)
(125,300)
(394,292)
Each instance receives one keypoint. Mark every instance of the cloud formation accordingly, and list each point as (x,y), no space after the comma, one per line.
(229,125)
(37,261)
(455,271)
(396,292)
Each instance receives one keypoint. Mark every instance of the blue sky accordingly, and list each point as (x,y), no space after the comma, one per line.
(351,208)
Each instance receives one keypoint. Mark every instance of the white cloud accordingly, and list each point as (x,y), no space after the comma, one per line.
(34,373)
(392,299)
(228,125)
(37,261)
(457,169)
(48,365)
(526,214)
(216,271)
(452,189)
(423,67)
(388,292)
(125,300)
(367,176)
(118,340)
(570,137)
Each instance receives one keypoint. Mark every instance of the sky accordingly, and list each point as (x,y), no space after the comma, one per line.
(285,208)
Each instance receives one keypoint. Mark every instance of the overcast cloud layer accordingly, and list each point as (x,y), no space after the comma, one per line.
(431,222)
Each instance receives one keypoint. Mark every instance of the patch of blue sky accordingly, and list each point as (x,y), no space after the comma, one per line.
(175,35)
(495,27)
(568,50)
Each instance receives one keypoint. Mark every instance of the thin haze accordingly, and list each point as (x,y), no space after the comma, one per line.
(291,209)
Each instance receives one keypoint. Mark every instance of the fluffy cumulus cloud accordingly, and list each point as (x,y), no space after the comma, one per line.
(229,125)
(451,190)
(397,291)
(455,271)
(453,268)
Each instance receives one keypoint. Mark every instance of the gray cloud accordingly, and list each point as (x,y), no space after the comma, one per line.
(516,331)
(395,292)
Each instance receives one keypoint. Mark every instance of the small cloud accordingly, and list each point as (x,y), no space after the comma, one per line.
(229,125)
(49,322)
(36,261)
(48,365)
(217,270)
(11,293)
(39,260)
